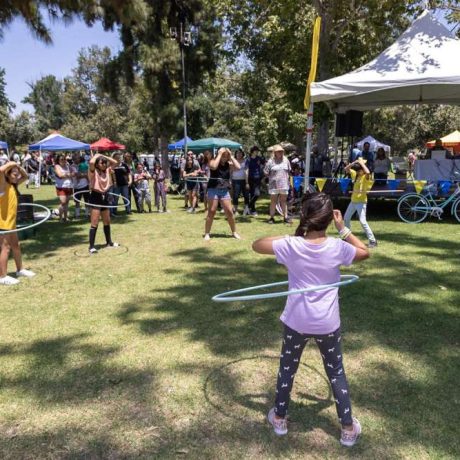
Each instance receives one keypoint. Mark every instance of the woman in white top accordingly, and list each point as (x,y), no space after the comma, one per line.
(64,185)
(240,184)
(278,170)
(381,167)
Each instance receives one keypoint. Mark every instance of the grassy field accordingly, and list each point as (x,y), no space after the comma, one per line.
(123,355)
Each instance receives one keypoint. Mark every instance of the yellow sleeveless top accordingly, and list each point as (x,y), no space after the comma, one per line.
(8,208)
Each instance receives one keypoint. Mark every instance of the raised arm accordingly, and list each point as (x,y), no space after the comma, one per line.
(235,163)
(363,165)
(214,163)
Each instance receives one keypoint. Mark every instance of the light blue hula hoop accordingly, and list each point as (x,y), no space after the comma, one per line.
(197,179)
(227,296)
(35,224)
(124,201)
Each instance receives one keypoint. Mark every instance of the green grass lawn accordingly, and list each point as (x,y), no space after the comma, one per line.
(124,355)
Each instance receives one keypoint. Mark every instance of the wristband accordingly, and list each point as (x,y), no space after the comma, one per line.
(344,233)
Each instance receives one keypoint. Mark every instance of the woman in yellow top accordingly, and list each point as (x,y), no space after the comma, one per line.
(361,176)
(11,175)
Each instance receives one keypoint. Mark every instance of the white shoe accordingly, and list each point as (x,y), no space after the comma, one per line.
(207,237)
(236,236)
(279,425)
(8,281)
(93,251)
(246,211)
(113,245)
(191,210)
(254,214)
(349,438)
(25,273)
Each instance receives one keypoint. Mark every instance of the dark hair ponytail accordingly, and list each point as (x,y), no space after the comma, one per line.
(316,213)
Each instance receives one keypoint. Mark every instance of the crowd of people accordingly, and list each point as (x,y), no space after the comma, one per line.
(231,183)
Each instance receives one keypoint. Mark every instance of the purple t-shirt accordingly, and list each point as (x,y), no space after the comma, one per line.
(308,265)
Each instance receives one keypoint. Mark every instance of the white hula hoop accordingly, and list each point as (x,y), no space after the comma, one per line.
(35,224)
(197,179)
(227,296)
(125,203)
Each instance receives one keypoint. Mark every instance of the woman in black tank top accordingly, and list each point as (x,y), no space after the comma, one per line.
(218,190)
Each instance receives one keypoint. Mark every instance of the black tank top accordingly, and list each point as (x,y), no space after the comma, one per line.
(220,177)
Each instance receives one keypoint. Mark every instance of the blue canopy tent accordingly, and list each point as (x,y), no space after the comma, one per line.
(54,143)
(179,144)
(3,145)
(57,142)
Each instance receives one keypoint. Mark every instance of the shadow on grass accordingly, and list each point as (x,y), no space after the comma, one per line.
(393,310)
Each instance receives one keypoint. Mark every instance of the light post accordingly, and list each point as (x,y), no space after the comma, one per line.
(184,39)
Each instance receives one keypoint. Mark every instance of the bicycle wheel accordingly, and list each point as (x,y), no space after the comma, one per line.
(456,209)
(413,208)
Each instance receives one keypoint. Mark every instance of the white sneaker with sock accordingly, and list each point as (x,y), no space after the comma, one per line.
(279,424)
(8,281)
(25,273)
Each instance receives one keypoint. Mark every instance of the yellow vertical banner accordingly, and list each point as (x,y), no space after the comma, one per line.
(321,182)
(419,184)
(314,61)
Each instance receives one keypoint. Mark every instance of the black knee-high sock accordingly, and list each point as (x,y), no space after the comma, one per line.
(92,236)
(107,234)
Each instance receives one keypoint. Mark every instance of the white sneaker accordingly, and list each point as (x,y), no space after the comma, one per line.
(207,237)
(25,273)
(349,438)
(8,281)
(279,425)
(254,214)
(236,236)
(191,210)
(92,250)
(113,245)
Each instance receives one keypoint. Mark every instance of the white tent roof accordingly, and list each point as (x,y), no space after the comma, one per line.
(422,66)
(374,144)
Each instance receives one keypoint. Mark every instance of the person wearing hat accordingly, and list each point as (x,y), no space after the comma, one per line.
(278,170)
(255,164)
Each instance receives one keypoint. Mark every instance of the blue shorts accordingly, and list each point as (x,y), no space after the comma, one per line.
(218,194)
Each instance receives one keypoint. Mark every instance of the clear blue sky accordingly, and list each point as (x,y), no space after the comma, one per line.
(26,59)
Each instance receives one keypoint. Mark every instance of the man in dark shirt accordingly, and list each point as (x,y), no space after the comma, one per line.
(122,182)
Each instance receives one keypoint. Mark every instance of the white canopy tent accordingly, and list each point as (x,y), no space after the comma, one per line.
(374,144)
(422,66)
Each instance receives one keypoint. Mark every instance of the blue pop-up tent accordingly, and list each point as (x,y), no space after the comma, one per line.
(3,145)
(179,144)
(56,142)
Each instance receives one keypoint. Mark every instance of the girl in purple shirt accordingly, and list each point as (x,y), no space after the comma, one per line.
(312,259)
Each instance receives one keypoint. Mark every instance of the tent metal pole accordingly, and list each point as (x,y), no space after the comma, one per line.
(336,141)
(308,147)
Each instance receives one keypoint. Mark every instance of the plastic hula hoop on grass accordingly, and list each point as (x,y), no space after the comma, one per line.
(230,295)
(35,224)
(124,203)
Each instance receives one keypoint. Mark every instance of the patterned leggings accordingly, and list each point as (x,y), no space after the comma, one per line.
(330,348)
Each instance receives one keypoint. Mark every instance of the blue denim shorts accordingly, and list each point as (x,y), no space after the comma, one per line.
(218,194)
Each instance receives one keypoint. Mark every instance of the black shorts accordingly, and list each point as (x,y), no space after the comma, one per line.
(99,199)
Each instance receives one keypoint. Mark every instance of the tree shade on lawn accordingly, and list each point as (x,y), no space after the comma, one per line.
(211,143)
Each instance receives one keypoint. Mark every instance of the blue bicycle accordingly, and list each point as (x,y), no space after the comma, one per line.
(414,208)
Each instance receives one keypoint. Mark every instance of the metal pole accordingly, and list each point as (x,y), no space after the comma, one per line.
(181,45)
(308,149)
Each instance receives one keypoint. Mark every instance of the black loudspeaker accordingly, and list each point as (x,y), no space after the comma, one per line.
(349,124)
(341,125)
(355,124)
